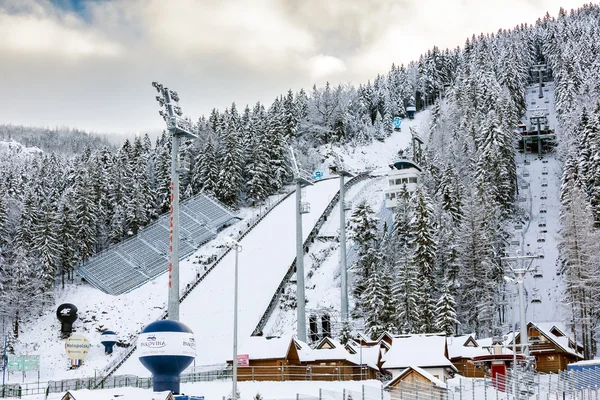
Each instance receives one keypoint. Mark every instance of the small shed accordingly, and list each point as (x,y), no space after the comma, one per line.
(331,359)
(125,393)
(414,382)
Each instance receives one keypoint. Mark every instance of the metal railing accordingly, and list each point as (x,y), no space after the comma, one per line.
(310,239)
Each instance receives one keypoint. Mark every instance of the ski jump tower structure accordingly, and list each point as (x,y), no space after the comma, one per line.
(301,178)
(405,172)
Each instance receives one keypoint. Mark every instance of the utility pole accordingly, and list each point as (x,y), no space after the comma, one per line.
(179,128)
(302,178)
(540,69)
(519,275)
(339,168)
(234,245)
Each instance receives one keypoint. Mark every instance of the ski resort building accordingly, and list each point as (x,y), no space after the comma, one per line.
(405,173)
(461,351)
(413,380)
(426,351)
(552,348)
(285,359)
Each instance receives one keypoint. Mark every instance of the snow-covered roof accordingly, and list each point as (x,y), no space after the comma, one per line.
(126,393)
(417,350)
(332,349)
(457,348)
(435,381)
(564,343)
(261,348)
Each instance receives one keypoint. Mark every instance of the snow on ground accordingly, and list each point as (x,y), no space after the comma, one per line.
(125,314)
(248,390)
(11,147)
(268,250)
(546,171)
(378,155)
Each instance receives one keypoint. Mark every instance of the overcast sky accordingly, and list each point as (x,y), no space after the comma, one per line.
(89,64)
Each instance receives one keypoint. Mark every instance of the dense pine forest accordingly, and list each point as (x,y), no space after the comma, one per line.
(436,269)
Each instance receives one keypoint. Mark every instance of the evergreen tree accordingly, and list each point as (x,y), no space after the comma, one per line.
(445,312)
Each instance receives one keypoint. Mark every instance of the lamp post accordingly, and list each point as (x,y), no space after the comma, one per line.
(234,245)
(178,127)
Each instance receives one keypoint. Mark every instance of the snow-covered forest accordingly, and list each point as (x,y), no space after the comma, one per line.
(436,269)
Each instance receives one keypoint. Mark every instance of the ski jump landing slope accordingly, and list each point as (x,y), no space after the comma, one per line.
(267,252)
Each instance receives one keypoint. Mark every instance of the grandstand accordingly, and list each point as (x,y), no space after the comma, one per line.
(129,264)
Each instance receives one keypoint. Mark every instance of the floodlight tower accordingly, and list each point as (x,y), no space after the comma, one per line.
(302,207)
(340,168)
(179,128)
(417,148)
(539,116)
(519,272)
(540,69)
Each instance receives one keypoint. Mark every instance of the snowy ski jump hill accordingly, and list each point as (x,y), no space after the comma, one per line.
(267,252)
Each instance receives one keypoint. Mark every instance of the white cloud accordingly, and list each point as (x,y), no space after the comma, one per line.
(40,33)
(322,66)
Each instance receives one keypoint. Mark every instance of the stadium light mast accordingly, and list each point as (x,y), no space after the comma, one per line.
(302,207)
(340,169)
(179,128)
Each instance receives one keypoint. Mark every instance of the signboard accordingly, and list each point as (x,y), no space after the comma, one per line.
(243,360)
(77,347)
(397,122)
(166,344)
(23,363)
(317,175)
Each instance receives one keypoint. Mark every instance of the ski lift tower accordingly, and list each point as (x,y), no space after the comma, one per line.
(302,207)
(417,149)
(519,266)
(342,170)
(538,116)
(541,70)
(179,128)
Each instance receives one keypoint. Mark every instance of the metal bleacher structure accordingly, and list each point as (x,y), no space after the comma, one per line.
(129,264)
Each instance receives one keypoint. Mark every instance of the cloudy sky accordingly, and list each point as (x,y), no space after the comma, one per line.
(89,63)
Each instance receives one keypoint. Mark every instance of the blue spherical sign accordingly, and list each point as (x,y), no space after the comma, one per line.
(109,339)
(166,348)
(317,175)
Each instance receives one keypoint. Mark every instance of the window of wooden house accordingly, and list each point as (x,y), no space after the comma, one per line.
(412,179)
(550,358)
(323,364)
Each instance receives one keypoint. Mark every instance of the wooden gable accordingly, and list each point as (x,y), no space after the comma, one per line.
(325,343)
(387,338)
(470,342)
(292,356)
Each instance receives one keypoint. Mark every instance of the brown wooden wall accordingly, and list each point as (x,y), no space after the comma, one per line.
(467,369)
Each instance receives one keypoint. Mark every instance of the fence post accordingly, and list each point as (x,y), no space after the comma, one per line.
(252,374)
(460,386)
(343,394)
(473,389)
(431,389)
(320,394)
(297,396)
(382,391)
(484,387)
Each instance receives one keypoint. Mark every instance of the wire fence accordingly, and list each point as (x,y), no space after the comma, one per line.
(566,385)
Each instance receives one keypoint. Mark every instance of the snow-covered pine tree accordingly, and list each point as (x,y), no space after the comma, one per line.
(46,244)
(230,175)
(209,171)
(363,230)
(423,257)
(445,311)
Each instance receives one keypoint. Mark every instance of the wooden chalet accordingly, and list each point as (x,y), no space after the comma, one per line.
(284,359)
(461,350)
(414,381)
(426,351)
(333,361)
(552,348)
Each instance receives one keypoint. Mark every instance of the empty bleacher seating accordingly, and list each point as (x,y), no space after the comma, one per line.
(129,264)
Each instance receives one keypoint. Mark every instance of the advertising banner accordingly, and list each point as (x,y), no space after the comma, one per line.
(243,360)
(166,344)
(77,347)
